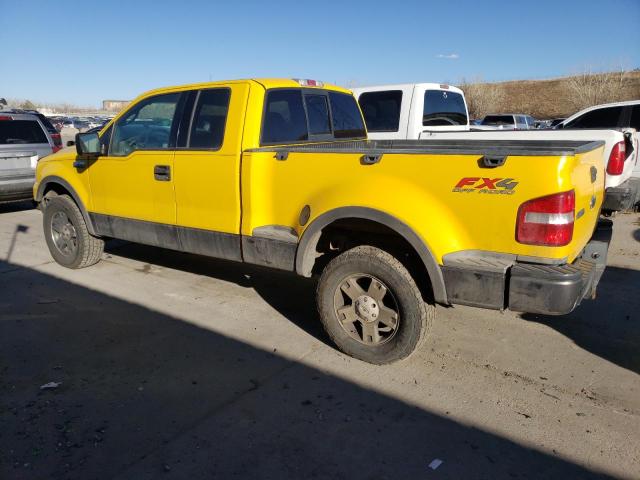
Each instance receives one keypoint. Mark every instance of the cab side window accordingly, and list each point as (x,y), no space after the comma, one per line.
(148,125)
(209,119)
(284,118)
(635,118)
(599,118)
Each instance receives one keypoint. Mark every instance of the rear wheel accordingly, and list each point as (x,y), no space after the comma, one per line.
(70,243)
(371,307)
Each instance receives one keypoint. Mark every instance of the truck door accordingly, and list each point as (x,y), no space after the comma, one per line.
(207,171)
(134,179)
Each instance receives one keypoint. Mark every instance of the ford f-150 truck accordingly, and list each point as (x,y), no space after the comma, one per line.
(433,112)
(280,173)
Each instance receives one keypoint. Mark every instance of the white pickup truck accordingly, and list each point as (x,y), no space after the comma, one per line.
(431,111)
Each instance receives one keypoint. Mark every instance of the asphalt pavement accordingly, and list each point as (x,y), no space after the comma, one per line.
(167,365)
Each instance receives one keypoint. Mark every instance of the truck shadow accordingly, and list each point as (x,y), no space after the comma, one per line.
(608,326)
(141,394)
(291,295)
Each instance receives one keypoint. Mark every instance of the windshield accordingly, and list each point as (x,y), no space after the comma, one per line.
(443,107)
(498,120)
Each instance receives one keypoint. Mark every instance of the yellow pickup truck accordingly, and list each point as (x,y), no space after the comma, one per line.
(280,173)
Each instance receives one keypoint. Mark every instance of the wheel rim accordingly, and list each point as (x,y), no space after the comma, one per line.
(64,234)
(366,309)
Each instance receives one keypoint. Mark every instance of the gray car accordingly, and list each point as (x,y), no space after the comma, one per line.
(23,141)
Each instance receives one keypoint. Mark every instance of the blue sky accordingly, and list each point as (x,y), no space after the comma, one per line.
(84,51)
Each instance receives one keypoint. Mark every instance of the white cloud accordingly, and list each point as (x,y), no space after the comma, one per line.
(450,56)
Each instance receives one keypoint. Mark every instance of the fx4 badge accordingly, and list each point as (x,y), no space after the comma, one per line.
(500,186)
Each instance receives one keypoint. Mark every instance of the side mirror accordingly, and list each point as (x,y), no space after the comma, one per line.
(70,143)
(88,144)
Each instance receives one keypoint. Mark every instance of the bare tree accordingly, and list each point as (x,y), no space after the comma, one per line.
(589,88)
(482,98)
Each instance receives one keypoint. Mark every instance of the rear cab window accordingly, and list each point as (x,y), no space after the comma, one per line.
(347,119)
(443,108)
(20,132)
(381,110)
(301,115)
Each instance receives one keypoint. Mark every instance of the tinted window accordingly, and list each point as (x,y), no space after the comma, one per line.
(16,132)
(635,118)
(147,125)
(443,108)
(381,110)
(284,117)
(600,118)
(47,124)
(318,114)
(347,120)
(209,118)
(498,120)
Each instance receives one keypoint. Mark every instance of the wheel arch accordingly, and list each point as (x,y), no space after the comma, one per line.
(56,183)
(306,253)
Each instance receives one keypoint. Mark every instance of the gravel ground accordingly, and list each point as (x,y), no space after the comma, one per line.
(177,366)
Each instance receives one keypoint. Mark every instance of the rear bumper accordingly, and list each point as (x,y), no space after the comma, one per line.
(16,185)
(623,197)
(504,283)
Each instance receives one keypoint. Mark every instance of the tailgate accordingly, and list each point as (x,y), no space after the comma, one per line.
(588,180)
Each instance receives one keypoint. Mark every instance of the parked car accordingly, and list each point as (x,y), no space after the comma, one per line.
(53,132)
(23,141)
(619,154)
(280,173)
(57,122)
(76,123)
(620,115)
(506,121)
(555,122)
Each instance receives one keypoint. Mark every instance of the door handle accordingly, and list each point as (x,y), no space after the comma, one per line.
(162,173)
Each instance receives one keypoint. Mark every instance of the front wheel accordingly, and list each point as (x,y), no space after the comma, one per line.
(371,307)
(65,231)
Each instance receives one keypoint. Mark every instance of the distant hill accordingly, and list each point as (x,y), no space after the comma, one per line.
(560,97)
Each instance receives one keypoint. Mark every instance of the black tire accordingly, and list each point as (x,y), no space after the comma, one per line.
(84,249)
(414,316)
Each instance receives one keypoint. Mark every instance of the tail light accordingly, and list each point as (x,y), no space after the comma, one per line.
(57,142)
(547,220)
(616,159)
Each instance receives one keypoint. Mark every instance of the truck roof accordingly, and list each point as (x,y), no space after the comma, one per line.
(425,85)
(267,83)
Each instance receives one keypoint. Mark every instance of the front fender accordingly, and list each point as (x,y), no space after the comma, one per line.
(59,174)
